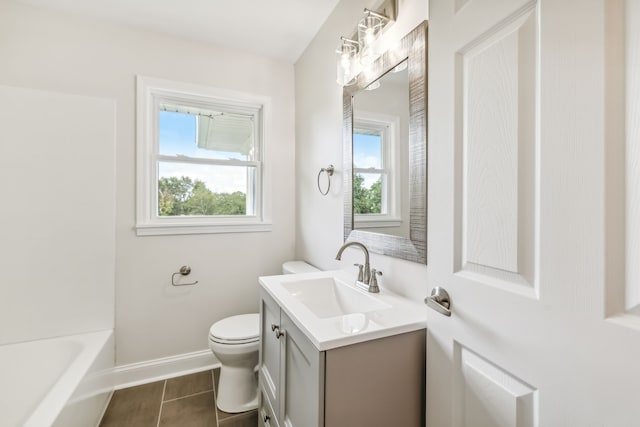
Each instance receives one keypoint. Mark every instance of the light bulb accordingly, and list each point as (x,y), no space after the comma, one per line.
(344,61)
(369,31)
(369,37)
(347,66)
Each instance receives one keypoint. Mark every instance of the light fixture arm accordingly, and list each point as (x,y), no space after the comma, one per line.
(370,12)
(349,41)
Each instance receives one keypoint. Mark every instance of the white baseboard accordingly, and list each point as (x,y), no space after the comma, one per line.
(104,408)
(163,368)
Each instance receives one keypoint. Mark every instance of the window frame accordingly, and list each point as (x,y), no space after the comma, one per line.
(389,127)
(151,94)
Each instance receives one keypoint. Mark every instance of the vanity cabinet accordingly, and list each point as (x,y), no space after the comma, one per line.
(291,371)
(380,382)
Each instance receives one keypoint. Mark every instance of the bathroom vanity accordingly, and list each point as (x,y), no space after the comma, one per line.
(334,355)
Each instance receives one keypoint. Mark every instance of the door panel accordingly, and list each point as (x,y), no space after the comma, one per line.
(521,214)
(496,130)
(632,42)
(489,396)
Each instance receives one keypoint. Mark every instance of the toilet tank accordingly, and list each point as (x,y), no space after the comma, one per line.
(296,267)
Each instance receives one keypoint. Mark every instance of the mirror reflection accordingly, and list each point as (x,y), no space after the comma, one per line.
(385,152)
(380,155)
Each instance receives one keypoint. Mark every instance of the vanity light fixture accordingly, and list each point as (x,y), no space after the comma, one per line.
(361,50)
(348,62)
(369,31)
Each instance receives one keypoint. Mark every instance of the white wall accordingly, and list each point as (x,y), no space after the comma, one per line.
(57,255)
(65,53)
(319,142)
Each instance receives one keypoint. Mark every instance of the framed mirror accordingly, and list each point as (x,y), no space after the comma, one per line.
(385,152)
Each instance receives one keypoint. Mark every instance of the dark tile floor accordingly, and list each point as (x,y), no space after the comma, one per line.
(187,401)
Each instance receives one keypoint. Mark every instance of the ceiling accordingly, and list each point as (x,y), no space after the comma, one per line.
(279,29)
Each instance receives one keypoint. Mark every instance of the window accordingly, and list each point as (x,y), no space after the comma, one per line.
(375,192)
(200,160)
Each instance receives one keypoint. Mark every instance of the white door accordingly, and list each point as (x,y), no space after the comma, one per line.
(529,183)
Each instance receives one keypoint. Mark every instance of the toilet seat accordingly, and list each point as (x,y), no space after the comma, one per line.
(241,329)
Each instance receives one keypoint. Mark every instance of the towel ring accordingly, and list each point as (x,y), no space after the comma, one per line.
(329,171)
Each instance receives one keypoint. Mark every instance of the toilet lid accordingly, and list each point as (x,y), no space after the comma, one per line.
(241,328)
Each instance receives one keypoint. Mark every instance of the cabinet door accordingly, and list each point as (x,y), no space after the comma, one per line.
(266,416)
(269,349)
(302,368)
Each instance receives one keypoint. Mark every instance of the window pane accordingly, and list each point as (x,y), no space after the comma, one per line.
(194,190)
(205,133)
(367,193)
(367,149)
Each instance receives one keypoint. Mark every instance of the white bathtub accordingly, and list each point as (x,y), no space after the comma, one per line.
(62,381)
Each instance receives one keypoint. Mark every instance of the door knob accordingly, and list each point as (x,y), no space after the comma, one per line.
(439,300)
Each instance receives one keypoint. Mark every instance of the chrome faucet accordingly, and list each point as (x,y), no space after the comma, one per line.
(366,277)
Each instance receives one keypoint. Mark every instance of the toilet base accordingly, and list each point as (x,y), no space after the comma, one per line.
(237,390)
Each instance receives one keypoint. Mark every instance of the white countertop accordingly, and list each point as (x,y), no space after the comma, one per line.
(399,314)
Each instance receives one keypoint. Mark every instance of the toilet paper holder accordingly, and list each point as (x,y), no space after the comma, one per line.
(185,270)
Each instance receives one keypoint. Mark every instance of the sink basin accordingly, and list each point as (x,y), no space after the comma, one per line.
(328,297)
(332,312)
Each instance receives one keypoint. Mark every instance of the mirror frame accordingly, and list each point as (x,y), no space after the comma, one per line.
(413,48)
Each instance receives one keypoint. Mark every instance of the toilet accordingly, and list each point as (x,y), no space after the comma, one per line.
(235,342)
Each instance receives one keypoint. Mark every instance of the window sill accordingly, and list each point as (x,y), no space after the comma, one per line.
(360,222)
(170,229)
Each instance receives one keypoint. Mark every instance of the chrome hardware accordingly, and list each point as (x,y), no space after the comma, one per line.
(439,300)
(360,271)
(266,419)
(185,270)
(373,284)
(276,328)
(329,171)
(366,277)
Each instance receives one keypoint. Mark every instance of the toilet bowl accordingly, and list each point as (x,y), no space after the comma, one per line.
(235,342)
